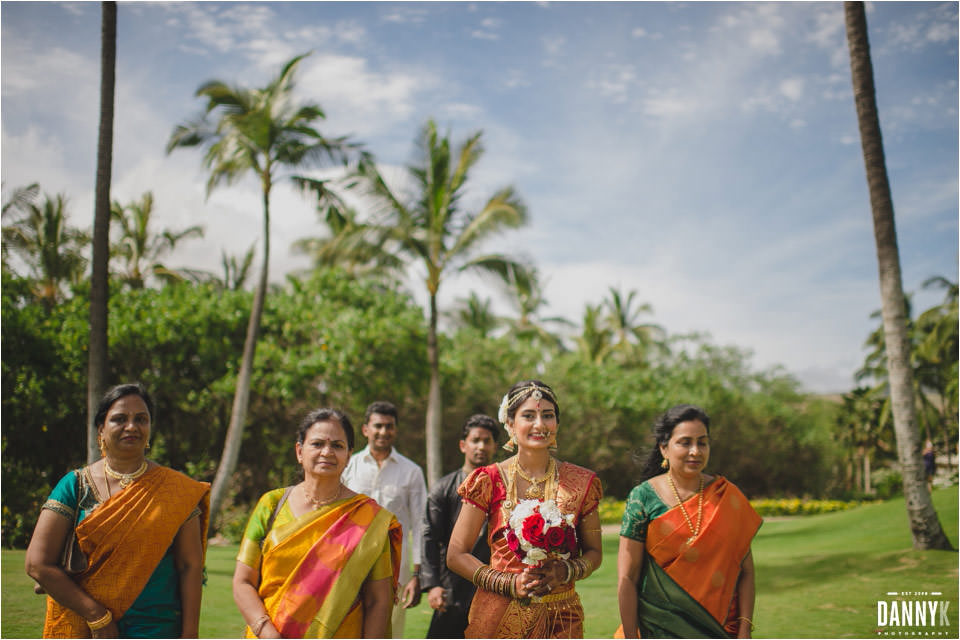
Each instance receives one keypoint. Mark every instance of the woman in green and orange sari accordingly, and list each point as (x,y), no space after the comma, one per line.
(318,560)
(140,527)
(684,567)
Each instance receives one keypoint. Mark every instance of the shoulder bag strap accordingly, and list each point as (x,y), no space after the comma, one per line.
(276,510)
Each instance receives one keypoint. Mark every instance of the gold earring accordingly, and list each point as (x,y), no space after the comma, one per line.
(103,448)
(510,444)
(665,464)
(552,447)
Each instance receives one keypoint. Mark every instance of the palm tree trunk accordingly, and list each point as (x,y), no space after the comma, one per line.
(924,523)
(434,400)
(99,285)
(241,396)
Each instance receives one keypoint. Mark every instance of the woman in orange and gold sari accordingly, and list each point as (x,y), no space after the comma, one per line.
(538,599)
(684,568)
(318,560)
(140,536)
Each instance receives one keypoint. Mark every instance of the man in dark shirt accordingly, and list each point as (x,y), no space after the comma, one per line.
(447,593)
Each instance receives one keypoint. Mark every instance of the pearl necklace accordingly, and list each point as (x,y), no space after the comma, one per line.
(694,531)
(125,478)
(535,491)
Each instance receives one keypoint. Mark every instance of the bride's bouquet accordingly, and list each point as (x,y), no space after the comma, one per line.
(538,530)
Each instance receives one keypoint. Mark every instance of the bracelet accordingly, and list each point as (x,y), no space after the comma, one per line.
(748,621)
(500,582)
(101,622)
(569,568)
(579,568)
(477,572)
(260,623)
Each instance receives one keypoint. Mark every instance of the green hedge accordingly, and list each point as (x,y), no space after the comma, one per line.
(611,510)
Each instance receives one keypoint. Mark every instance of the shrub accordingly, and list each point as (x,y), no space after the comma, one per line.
(611,510)
(797,507)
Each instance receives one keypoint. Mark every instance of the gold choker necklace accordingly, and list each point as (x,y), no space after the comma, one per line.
(535,491)
(124,478)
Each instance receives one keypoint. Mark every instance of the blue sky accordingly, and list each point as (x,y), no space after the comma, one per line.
(705,155)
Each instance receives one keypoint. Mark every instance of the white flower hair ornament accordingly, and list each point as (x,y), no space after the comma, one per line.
(502,411)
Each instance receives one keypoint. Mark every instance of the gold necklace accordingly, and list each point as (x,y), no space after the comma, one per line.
(535,491)
(124,478)
(316,502)
(694,531)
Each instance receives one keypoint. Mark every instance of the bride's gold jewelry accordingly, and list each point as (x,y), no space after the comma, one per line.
(535,491)
(510,472)
(538,393)
(124,478)
(694,531)
(320,502)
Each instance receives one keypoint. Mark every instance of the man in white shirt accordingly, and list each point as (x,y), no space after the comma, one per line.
(396,483)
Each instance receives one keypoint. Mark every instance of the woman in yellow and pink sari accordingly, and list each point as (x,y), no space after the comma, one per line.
(318,560)
(684,568)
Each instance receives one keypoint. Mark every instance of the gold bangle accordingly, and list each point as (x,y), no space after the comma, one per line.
(477,573)
(748,620)
(101,622)
(260,623)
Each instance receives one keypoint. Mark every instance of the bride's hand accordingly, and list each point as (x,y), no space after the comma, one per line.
(545,578)
(526,583)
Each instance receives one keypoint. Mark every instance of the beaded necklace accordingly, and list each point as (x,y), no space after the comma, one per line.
(694,531)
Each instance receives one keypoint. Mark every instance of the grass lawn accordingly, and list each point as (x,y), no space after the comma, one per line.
(817,577)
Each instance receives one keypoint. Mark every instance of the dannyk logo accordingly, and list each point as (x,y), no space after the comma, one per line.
(913,613)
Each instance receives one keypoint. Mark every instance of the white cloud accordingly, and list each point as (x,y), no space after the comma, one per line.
(553,45)
(480,34)
(37,155)
(792,88)
(764,41)
(358,99)
(614,81)
(639,32)
(405,14)
(669,106)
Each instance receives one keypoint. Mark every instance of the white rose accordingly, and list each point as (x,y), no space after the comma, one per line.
(534,556)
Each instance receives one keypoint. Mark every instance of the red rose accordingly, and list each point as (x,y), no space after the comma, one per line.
(571,540)
(533,530)
(555,538)
(513,542)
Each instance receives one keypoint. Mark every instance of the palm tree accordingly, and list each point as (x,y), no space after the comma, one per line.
(594,343)
(434,228)
(525,294)
(632,340)
(473,313)
(862,430)
(235,272)
(356,247)
(259,132)
(936,352)
(924,523)
(99,275)
(19,201)
(48,246)
(139,248)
